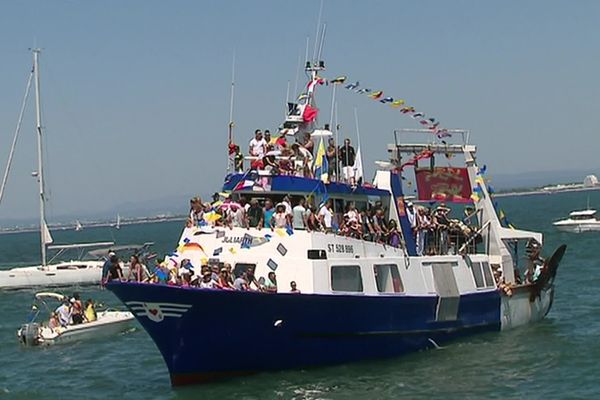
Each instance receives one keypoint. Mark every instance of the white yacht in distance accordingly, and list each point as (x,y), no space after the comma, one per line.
(48,273)
(579,221)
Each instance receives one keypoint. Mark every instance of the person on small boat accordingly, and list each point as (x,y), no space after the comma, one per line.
(90,311)
(76,309)
(271,283)
(64,313)
(54,321)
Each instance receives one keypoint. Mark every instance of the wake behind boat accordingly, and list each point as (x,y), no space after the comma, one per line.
(374,276)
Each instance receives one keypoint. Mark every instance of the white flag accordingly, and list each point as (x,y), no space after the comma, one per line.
(357,167)
(47,237)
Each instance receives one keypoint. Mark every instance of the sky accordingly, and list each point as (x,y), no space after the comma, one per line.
(135,94)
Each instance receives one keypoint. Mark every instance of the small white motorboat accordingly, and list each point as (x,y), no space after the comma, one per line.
(579,221)
(35,333)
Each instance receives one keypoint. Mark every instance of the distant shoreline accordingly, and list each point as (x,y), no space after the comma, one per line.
(98,224)
(542,191)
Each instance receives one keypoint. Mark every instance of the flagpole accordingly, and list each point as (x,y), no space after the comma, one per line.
(230,126)
(332,105)
(337,144)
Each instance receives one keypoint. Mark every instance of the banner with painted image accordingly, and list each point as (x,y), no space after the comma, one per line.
(443,184)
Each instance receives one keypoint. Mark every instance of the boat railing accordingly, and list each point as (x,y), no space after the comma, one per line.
(477,234)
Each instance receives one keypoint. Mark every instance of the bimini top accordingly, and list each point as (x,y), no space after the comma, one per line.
(254,182)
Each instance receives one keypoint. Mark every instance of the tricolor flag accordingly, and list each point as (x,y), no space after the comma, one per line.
(244,184)
(321,164)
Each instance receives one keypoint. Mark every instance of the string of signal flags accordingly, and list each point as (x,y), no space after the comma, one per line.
(424,120)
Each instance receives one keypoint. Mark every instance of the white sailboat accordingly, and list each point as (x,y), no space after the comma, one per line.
(78,226)
(118,224)
(54,273)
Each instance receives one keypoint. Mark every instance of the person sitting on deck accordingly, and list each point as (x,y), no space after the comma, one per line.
(90,311)
(54,321)
(64,313)
(207,281)
(114,272)
(271,283)
(293,287)
(76,309)
(251,278)
(223,281)
(352,221)
(241,283)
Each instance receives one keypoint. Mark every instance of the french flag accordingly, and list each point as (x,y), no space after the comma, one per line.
(244,184)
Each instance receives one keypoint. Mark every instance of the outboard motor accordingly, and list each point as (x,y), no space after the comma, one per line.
(30,334)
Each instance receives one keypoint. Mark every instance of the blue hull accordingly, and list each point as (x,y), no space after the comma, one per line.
(206,335)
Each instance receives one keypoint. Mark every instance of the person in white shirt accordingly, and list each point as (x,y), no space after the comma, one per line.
(258,145)
(326,215)
(300,215)
(412,217)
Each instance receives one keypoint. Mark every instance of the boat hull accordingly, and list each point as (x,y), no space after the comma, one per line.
(205,335)
(75,273)
(578,228)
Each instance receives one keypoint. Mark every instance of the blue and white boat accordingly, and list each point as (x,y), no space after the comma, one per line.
(360,299)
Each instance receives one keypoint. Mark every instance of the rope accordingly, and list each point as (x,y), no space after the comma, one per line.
(17,130)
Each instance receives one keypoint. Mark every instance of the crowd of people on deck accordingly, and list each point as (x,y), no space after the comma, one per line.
(210,275)
(278,157)
(297,213)
(72,311)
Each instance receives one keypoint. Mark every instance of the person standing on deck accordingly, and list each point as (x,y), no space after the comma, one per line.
(347,156)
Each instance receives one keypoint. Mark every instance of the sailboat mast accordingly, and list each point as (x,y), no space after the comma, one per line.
(40,172)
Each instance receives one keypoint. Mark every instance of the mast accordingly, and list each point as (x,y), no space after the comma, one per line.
(44,234)
(231,162)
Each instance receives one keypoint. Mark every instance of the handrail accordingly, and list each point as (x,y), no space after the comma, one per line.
(464,246)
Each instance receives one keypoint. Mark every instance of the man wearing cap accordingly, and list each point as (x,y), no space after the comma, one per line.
(412,216)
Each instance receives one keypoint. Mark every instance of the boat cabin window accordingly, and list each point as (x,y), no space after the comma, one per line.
(388,278)
(482,274)
(240,268)
(346,278)
(582,217)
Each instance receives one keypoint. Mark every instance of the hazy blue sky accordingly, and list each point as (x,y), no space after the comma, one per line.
(136,93)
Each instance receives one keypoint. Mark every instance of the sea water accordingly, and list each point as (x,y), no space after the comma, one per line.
(556,358)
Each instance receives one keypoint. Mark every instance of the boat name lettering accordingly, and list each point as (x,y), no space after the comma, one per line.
(340,248)
(233,239)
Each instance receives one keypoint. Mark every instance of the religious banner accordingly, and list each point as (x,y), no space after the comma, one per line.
(443,184)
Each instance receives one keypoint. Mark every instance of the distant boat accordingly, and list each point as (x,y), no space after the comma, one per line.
(579,221)
(118,224)
(54,273)
(78,226)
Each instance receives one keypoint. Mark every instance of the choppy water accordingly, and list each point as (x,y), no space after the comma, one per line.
(556,358)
